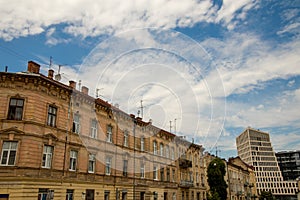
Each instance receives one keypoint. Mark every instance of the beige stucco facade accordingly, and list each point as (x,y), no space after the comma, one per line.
(57,142)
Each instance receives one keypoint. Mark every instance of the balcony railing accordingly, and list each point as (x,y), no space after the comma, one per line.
(185,183)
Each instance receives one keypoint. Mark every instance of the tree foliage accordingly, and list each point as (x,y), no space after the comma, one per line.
(213,196)
(266,195)
(215,173)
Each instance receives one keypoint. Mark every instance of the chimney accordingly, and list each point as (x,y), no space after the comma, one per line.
(33,67)
(50,73)
(72,84)
(85,90)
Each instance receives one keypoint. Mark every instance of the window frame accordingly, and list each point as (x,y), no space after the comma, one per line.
(52,116)
(9,150)
(125,167)
(109,133)
(108,163)
(155,147)
(76,124)
(142,143)
(155,172)
(161,149)
(167,151)
(15,112)
(92,163)
(162,174)
(45,193)
(172,153)
(94,129)
(73,160)
(46,155)
(142,170)
(125,138)
(69,194)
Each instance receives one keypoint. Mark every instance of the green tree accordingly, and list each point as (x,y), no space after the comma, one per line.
(266,195)
(215,178)
(213,196)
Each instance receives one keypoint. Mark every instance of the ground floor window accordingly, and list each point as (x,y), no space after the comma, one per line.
(124,195)
(4,196)
(142,196)
(69,194)
(155,196)
(106,195)
(90,195)
(45,194)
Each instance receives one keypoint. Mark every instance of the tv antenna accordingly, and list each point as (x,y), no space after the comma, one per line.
(57,77)
(142,109)
(97,92)
(217,151)
(50,62)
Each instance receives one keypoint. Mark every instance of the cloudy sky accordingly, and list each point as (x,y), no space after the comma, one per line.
(212,68)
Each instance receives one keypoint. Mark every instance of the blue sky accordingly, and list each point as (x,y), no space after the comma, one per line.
(214,66)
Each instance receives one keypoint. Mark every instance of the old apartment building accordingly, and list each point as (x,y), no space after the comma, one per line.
(254,148)
(241,180)
(57,142)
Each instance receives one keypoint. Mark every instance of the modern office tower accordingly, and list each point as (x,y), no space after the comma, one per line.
(289,164)
(254,148)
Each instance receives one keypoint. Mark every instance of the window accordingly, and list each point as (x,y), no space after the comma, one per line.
(173,175)
(191,176)
(142,170)
(15,111)
(45,194)
(172,153)
(161,149)
(155,148)
(89,194)
(142,195)
(47,156)
(109,133)
(106,195)
(108,166)
(124,195)
(76,124)
(142,143)
(155,173)
(73,160)
(167,152)
(94,128)
(125,139)
(162,174)
(8,155)
(125,167)
(174,196)
(69,194)
(168,174)
(155,196)
(92,162)
(52,111)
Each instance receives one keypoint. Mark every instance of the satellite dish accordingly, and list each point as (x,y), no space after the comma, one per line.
(57,77)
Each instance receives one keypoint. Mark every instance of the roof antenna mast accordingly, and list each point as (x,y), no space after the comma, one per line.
(142,109)
(50,64)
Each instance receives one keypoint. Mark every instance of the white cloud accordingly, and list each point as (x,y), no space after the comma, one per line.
(52,40)
(93,18)
(279,112)
(245,62)
(127,68)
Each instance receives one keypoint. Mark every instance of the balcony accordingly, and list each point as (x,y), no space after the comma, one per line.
(184,163)
(186,184)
